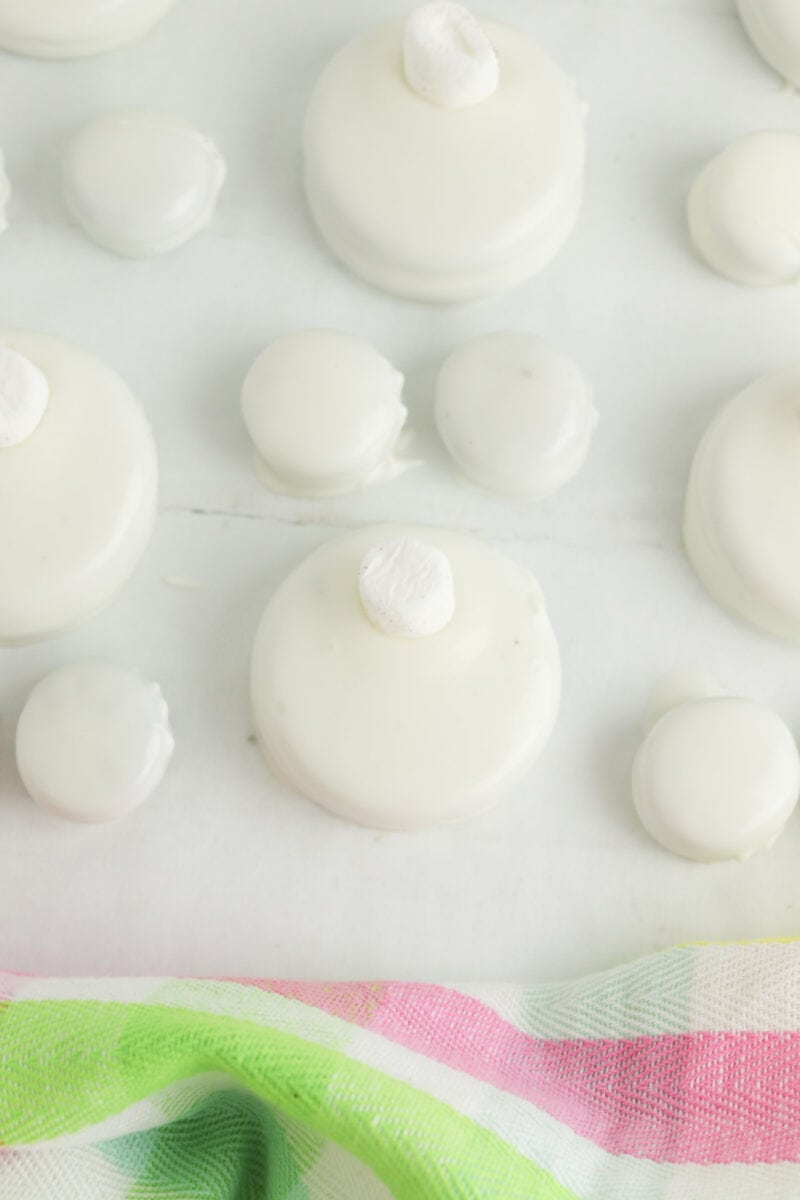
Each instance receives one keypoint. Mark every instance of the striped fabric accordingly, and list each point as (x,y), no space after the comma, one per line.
(675,1078)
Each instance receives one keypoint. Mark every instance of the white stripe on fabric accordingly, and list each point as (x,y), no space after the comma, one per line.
(758,1181)
(746,988)
(170,1104)
(337,1173)
(104,991)
(80,1174)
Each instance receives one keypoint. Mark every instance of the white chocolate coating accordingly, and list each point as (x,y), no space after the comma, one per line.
(73,28)
(77,497)
(406,587)
(774,28)
(516,416)
(24,393)
(93,741)
(447,57)
(443,204)
(716,778)
(404,733)
(142,182)
(325,412)
(742,513)
(744,210)
(5,194)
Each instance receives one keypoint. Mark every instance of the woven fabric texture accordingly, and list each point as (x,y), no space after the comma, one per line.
(674,1078)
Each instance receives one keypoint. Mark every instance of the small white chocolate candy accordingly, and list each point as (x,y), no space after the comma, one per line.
(325,412)
(77,494)
(516,416)
(716,778)
(434,202)
(742,512)
(142,182)
(447,57)
(93,741)
(406,587)
(24,393)
(774,28)
(73,28)
(744,209)
(5,194)
(405,732)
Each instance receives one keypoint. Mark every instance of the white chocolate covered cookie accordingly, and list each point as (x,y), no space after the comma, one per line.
(416,700)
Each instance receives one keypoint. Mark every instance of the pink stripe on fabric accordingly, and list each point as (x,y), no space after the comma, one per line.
(680,1098)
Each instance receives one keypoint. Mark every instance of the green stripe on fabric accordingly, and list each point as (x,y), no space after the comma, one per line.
(229,1147)
(65,1065)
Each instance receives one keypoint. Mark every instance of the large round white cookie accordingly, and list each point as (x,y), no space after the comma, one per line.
(77,497)
(400,732)
(436,203)
(742,514)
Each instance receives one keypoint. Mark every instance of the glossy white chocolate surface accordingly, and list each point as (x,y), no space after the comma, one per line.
(93,741)
(437,203)
(742,511)
(141,182)
(325,412)
(744,209)
(516,416)
(774,27)
(397,732)
(716,778)
(77,497)
(74,28)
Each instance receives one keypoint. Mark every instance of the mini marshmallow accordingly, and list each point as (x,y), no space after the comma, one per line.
(5,193)
(406,588)
(24,394)
(448,58)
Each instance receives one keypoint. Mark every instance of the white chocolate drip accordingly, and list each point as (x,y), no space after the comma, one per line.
(24,394)
(406,588)
(448,59)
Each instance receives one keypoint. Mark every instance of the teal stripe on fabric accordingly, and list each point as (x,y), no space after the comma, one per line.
(229,1147)
(651,998)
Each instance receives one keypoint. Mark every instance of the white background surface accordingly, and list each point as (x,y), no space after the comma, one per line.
(223,871)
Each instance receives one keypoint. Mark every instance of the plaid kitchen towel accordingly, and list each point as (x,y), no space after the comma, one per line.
(674,1078)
